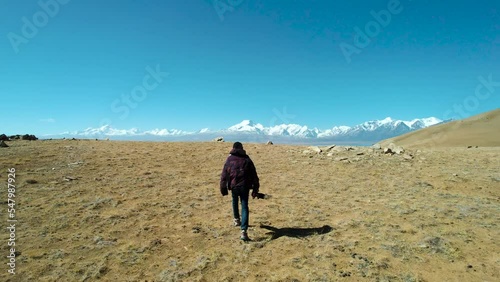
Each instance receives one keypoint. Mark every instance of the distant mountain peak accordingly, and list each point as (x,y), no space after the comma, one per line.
(246,125)
(374,130)
(386,120)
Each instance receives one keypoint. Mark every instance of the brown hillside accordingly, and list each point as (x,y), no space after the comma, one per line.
(480,130)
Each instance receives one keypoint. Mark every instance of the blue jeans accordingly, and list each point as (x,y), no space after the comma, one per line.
(241,193)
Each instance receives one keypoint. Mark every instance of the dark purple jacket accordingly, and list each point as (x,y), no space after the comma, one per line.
(239,171)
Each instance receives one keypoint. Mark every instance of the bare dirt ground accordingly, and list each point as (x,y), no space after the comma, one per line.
(151,211)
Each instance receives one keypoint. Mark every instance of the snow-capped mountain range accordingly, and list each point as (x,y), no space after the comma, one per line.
(247,130)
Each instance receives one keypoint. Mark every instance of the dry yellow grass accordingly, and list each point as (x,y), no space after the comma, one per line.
(151,211)
(480,130)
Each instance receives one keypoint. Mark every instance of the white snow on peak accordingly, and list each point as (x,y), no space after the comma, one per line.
(381,127)
(424,122)
(431,121)
(204,130)
(386,120)
(247,125)
(164,132)
(107,130)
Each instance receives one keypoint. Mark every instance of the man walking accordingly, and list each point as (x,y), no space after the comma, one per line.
(239,175)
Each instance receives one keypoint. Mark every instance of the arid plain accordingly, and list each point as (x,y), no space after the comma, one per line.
(151,211)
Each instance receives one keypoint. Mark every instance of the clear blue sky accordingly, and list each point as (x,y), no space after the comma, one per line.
(248,62)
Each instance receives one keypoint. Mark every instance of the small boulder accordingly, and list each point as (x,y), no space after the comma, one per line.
(269,143)
(408,157)
(399,150)
(4,137)
(329,148)
(218,139)
(315,149)
(394,149)
(377,146)
(3,145)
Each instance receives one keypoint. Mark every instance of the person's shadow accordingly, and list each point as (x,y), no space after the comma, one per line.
(296,232)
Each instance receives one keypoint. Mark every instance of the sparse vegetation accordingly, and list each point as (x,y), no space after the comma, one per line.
(127,217)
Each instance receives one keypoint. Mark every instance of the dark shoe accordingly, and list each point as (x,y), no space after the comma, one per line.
(244,236)
(237,222)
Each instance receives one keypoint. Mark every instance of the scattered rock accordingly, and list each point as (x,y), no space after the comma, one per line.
(349,149)
(407,157)
(388,151)
(377,146)
(218,139)
(399,150)
(315,149)
(100,241)
(341,159)
(360,154)
(329,148)
(69,178)
(3,145)
(269,143)
(424,184)
(31,181)
(393,149)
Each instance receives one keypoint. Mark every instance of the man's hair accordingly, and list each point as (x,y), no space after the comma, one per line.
(237,145)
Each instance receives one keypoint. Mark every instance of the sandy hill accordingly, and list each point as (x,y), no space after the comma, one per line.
(481,130)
